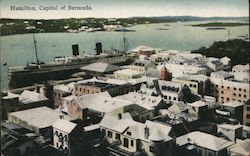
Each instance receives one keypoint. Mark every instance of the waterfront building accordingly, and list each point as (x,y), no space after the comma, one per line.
(143,50)
(127,137)
(38,120)
(202,144)
(99,69)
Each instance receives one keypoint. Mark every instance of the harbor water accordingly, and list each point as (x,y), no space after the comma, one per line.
(17,50)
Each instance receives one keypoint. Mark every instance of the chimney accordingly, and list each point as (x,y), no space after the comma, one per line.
(98,48)
(146,132)
(75,49)
(119,116)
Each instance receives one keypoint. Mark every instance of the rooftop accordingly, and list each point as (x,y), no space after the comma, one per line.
(198,104)
(40,117)
(203,140)
(101,67)
(101,85)
(128,72)
(31,96)
(233,104)
(241,148)
(64,125)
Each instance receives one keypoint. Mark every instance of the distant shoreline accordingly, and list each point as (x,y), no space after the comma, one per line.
(220,24)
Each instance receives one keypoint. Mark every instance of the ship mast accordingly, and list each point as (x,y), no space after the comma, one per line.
(125,47)
(34,39)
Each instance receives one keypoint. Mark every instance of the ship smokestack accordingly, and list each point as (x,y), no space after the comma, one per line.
(75,49)
(98,48)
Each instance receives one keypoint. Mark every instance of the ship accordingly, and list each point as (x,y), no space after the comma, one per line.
(62,67)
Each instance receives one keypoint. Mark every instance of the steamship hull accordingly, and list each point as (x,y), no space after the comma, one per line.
(28,77)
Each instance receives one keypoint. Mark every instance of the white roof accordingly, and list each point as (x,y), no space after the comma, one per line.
(241,148)
(40,117)
(218,81)
(128,72)
(142,100)
(31,96)
(203,140)
(233,104)
(198,104)
(100,103)
(91,127)
(137,129)
(10,96)
(229,126)
(64,125)
(101,67)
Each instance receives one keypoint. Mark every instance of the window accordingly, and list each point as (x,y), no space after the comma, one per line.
(245,90)
(239,89)
(151,149)
(129,133)
(117,136)
(110,134)
(169,97)
(174,98)
(248,116)
(248,108)
(227,99)
(228,87)
(245,96)
(239,95)
(190,85)
(222,92)
(234,88)
(222,86)
(194,85)
(234,94)
(132,143)
(125,142)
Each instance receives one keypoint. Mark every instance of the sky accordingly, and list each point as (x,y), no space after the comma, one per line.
(126,8)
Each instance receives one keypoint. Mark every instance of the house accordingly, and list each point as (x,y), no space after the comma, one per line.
(143,50)
(241,73)
(214,65)
(142,65)
(99,69)
(202,144)
(241,148)
(64,133)
(127,74)
(127,137)
(39,120)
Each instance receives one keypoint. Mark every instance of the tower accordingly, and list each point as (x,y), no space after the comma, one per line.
(165,74)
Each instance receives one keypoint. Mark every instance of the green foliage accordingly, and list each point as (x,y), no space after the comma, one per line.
(236,49)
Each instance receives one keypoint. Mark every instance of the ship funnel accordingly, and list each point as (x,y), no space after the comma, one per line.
(75,49)
(98,48)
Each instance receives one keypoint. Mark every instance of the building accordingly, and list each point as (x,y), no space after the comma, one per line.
(39,120)
(99,69)
(241,73)
(142,65)
(231,132)
(241,148)
(61,91)
(95,106)
(199,108)
(171,91)
(214,65)
(246,113)
(92,86)
(143,50)
(226,91)
(145,101)
(127,74)
(234,109)
(202,144)
(127,137)
(26,100)
(63,135)
(222,75)
(198,84)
